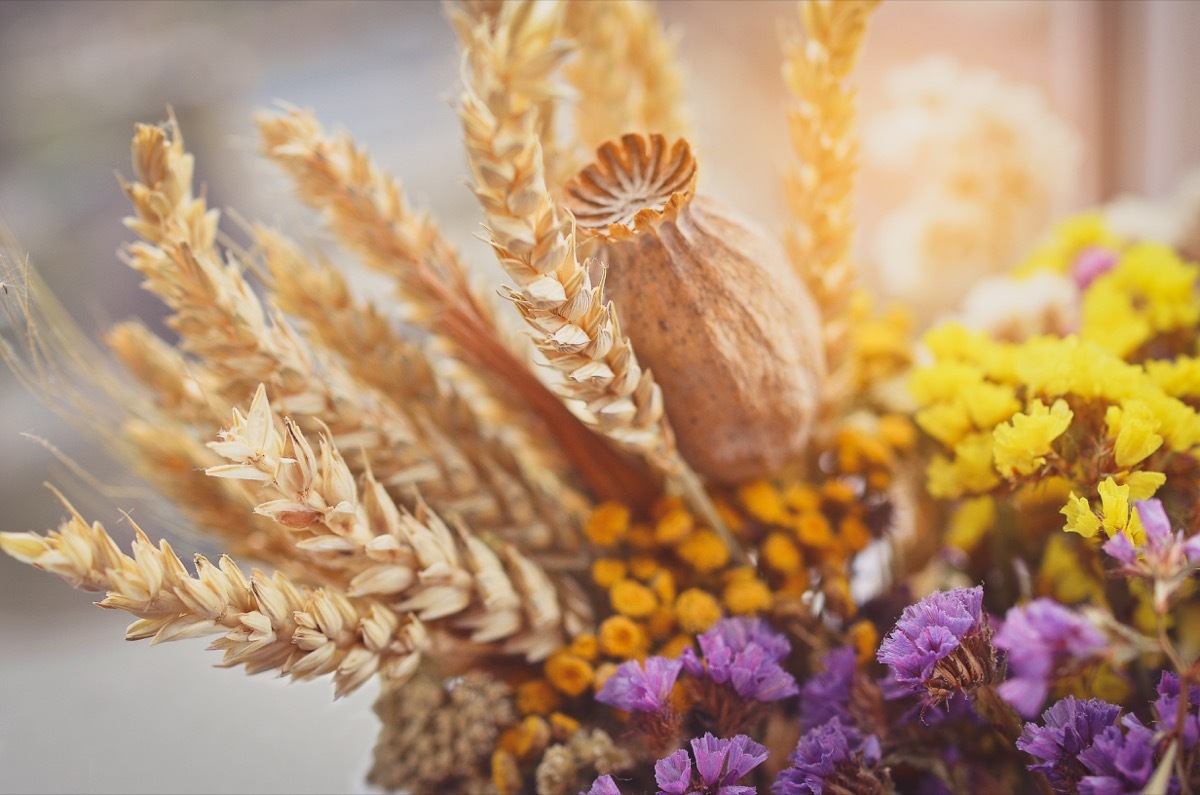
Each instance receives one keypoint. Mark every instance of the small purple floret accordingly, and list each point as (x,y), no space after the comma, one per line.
(637,689)
(827,694)
(603,786)
(831,749)
(1070,727)
(1040,637)
(929,631)
(745,654)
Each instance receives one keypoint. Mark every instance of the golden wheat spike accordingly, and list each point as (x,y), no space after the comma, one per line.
(624,75)
(820,187)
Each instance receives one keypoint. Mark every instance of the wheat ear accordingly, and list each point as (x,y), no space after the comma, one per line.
(507,73)
(266,623)
(223,322)
(412,558)
(820,187)
(624,75)
(366,210)
(545,510)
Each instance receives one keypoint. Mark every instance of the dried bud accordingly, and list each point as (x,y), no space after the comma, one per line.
(712,307)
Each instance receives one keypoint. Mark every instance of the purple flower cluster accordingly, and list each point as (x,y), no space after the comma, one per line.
(1070,726)
(637,689)
(829,756)
(826,695)
(746,654)
(942,624)
(719,766)
(1040,638)
(1083,748)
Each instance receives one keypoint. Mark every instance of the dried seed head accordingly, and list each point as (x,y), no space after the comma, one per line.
(716,313)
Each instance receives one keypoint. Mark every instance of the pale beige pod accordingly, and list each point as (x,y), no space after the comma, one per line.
(712,308)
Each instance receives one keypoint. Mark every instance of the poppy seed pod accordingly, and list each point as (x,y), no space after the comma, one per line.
(712,307)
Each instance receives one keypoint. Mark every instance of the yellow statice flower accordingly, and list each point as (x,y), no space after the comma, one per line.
(780,554)
(744,593)
(607,572)
(943,380)
(1081,518)
(1022,443)
(970,472)
(763,501)
(1112,320)
(1062,575)
(704,551)
(673,526)
(1133,427)
(1142,485)
(989,404)
(1179,378)
(1119,515)
(947,422)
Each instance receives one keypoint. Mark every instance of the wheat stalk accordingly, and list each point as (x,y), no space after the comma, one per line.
(820,187)
(507,74)
(265,623)
(543,508)
(624,75)
(413,557)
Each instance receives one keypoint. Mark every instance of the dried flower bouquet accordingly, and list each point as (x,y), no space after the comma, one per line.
(626,551)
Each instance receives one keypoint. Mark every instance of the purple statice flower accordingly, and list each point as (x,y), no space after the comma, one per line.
(1166,557)
(637,689)
(1040,638)
(942,644)
(1167,709)
(830,756)
(603,786)
(827,694)
(1091,263)
(745,654)
(1120,762)
(1070,726)
(720,765)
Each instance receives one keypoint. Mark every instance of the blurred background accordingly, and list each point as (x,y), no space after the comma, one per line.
(1038,108)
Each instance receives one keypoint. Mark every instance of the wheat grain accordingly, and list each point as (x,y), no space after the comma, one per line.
(436,573)
(542,508)
(820,187)
(507,73)
(265,623)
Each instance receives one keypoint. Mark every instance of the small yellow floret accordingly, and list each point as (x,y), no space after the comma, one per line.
(568,673)
(661,623)
(854,534)
(697,610)
(704,551)
(537,697)
(608,571)
(631,598)
(744,596)
(1135,430)
(780,554)
(971,521)
(1080,517)
(675,525)
(675,646)
(506,775)
(763,501)
(897,431)
(607,524)
(1143,485)
(585,646)
(1118,513)
(813,530)
(1022,444)
(621,637)
(642,567)
(864,637)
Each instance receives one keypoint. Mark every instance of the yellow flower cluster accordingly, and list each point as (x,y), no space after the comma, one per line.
(1067,241)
